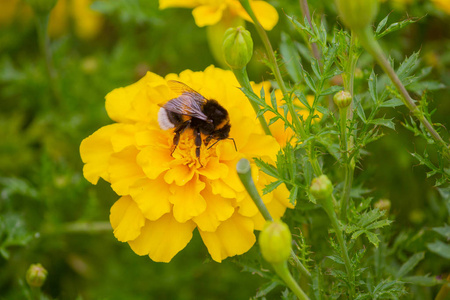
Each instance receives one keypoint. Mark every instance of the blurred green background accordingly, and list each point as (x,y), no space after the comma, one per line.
(44,199)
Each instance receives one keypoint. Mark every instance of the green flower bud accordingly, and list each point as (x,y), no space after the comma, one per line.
(36,275)
(276,242)
(237,47)
(357,14)
(42,6)
(342,99)
(321,187)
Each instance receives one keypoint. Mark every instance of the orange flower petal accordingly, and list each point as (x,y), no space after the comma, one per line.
(206,15)
(126,219)
(233,237)
(95,151)
(124,137)
(218,209)
(187,201)
(162,239)
(152,197)
(124,170)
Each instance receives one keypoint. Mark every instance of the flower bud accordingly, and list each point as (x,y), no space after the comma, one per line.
(237,47)
(42,6)
(383,205)
(321,187)
(342,99)
(36,275)
(357,14)
(276,242)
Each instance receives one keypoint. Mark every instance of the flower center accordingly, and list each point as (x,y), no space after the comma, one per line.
(186,150)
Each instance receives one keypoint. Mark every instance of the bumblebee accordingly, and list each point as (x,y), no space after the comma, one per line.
(192,110)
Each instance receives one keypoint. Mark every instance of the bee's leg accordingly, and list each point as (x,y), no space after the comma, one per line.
(180,129)
(208,139)
(198,142)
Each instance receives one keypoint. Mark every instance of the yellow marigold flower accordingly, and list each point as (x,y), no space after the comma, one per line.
(86,22)
(165,197)
(210,12)
(443,5)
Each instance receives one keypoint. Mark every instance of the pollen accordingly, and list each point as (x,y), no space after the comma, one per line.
(185,150)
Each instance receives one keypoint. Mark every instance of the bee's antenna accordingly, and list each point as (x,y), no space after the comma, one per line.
(223,139)
(233,143)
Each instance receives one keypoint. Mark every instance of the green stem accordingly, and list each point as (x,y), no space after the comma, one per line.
(349,164)
(283,271)
(242,77)
(277,74)
(244,172)
(79,227)
(245,175)
(305,12)
(369,42)
(44,45)
(329,209)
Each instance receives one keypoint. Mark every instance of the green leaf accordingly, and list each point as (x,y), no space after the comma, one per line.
(394,102)
(382,24)
(309,81)
(440,248)
(373,238)
(421,280)
(331,90)
(373,87)
(271,186)
(444,231)
(410,264)
(384,122)
(291,57)
(360,110)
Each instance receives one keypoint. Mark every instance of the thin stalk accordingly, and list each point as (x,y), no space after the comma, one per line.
(79,227)
(340,237)
(348,164)
(277,74)
(368,41)
(242,77)
(44,45)
(283,271)
(244,172)
(305,12)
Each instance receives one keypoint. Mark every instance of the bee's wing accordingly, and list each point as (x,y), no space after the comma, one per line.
(188,103)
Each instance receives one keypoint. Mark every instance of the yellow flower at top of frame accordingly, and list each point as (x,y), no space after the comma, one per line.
(210,12)
(165,195)
(443,5)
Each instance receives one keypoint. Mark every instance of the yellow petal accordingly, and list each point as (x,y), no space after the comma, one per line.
(218,209)
(154,160)
(233,237)
(88,23)
(134,102)
(187,201)
(260,146)
(178,3)
(214,169)
(207,15)
(152,197)
(124,137)
(95,151)
(162,239)
(124,171)
(180,174)
(267,15)
(126,219)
